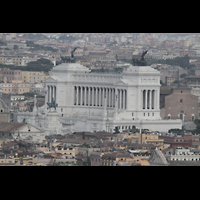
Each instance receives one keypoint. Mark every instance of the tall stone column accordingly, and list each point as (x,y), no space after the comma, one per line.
(103,96)
(111,97)
(74,95)
(92,96)
(106,97)
(99,96)
(153,99)
(146,99)
(88,96)
(143,99)
(77,95)
(95,97)
(124,100)
(52,92)
(158,99)
(120,99)
(48,93)
(150,95)
(55,93)
(81,96)
(85,96)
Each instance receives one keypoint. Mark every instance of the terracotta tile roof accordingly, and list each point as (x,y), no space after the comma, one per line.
(10,126)
(75,141)
(10,144)
(117,155)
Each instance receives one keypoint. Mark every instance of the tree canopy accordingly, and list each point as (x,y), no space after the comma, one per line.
(41,64)
(66,37)
(36,47)
(178,61)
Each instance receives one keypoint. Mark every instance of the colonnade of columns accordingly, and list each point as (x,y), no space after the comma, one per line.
(51,93)
(94,96)
(150,99)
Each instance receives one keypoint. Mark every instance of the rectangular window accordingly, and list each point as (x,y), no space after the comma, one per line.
(144,114)
(181,100)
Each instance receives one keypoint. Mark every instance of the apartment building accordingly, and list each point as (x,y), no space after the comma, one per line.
(16,60)
(18,88)
(9,76)
(34,76)
(169,80)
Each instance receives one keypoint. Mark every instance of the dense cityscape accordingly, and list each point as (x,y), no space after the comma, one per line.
(99,99)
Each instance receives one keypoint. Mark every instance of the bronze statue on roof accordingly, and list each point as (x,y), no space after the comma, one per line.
(52,104)
(68,59)
(141,62)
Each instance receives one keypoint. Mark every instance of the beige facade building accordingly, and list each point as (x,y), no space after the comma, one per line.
(18,88)
(181,104)
(16,60)
(33,76)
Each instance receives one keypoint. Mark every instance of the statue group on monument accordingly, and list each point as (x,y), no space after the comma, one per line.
(141,62)
(52,104)
(68,59)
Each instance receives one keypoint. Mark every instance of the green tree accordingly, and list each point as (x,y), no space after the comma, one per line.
(183,75)
(176,81)
(161,83)
(15,47)
(116,129)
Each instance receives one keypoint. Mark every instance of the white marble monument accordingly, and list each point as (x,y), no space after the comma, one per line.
(96,102)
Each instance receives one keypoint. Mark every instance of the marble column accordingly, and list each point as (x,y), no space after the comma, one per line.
(150,99)
(113,97)
(48,93)
(55,93)
(145,99)
(52,93)
(103,96)
(76,95)
(106,97)
(88,96)
(120,99)
(84,96)
(81,96)
(124,101)
(157,99)
(97,96)
(153,97)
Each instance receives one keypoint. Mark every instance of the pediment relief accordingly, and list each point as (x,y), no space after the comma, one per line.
(120,83)
(50,80)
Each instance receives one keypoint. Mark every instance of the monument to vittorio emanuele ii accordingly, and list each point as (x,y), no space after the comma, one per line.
(88,101)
